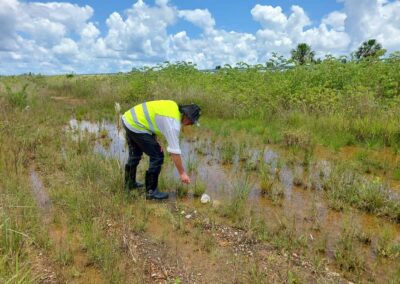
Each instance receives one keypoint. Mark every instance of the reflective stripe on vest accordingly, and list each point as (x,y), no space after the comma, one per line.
(147,115)
(133,113)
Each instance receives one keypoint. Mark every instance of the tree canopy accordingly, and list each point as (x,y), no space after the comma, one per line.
(302,54)
(369,48)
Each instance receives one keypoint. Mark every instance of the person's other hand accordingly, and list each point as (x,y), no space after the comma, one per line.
(185,178)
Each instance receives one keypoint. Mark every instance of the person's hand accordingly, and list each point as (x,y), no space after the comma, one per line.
(185,178)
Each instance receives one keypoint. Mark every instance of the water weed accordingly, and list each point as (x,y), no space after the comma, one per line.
(386,245)
(347,254)
(182,190)
(284,236)
(235,207)
(199,188)
(346,186)
(192,163)
(228,152)
(266,180)
(368,164)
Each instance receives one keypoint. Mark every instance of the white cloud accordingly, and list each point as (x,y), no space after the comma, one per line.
(72,16)
(89,32)
(8,20)
(48,23)
(336,20)
(297,20)
(281,33)
(269,17)
(200,18)
(144,31)
(216,48)
(67,47)
(60,37)
(377,19)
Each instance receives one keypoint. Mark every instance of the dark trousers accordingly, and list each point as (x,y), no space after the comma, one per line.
(140,143)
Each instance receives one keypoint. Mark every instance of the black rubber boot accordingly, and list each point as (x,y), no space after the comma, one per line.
(130,178)
(151,187)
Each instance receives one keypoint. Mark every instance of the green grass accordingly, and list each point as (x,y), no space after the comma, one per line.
(199,188)
(234,209)
(266,180)
(346,186)
(368,163)
(330,104)
(20,224)
(347,253)
(387,245)
(228,152)
(396,174)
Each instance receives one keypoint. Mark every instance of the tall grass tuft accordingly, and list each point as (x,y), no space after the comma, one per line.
(228,152)
(346,253)
(235,208)
(18,98)
(386,244)
(347,187)
(199,188)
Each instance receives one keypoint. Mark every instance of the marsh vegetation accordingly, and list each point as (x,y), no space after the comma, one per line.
(302,167)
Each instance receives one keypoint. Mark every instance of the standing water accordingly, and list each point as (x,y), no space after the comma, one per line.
(308,209)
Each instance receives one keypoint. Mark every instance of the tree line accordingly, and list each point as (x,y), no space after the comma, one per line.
(303,53)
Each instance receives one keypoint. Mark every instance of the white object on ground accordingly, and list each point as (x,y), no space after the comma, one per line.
(117,108)
(205,198)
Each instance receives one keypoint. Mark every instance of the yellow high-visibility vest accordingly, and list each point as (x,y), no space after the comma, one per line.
(142,116)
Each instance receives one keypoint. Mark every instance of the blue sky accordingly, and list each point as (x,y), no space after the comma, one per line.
(229,14)
(110,36)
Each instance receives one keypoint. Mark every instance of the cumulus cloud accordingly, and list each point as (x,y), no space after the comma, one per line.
(281,32)
(216,48)
(62,37)
(200,18)
(269,17)
(48,23)
(335,20)
(89,33)
(72,16)
(8,20)
(379,19)
(143,31)
(67,47)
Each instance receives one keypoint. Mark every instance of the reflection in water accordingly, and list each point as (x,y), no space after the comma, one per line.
(116,149)
(271,158)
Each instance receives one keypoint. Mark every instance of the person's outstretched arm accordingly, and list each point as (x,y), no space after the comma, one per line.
(176,158)
(170,128)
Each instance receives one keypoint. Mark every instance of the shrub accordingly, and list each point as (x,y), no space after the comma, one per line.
(19,98)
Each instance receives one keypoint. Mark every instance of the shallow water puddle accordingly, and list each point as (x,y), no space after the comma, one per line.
(307,208)
(114,147)
(39,193)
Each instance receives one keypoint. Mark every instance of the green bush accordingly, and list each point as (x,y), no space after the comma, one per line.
(19,98)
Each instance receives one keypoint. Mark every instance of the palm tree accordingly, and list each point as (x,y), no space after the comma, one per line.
(369,48)
(303,54)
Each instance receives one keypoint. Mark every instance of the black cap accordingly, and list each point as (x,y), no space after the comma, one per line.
(192,112)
